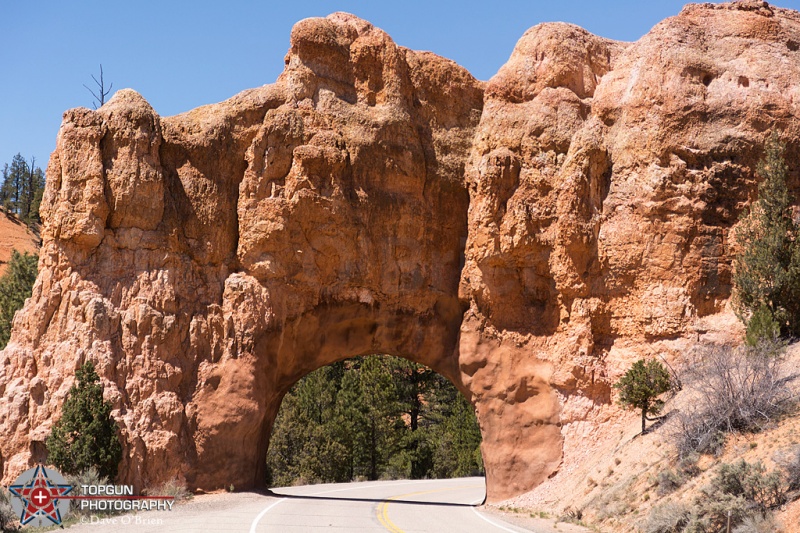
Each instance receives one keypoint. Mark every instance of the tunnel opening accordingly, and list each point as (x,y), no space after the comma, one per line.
(376,417)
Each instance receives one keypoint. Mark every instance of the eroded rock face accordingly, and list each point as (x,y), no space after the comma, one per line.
(528,237)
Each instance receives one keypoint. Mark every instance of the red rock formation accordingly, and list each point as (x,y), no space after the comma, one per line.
(527,238)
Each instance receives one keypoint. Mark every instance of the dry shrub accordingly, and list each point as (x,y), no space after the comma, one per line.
(173,488)
(669,517)
(758,524)
(8,518)
(790,463)
(731,389)
(90,476)
(669,481)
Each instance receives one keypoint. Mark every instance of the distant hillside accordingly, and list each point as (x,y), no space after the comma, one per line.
(14,235)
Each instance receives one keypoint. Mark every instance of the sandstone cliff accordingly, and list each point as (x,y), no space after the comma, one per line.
(527,237)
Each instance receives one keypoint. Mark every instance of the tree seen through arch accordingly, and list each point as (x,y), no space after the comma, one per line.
(369,418)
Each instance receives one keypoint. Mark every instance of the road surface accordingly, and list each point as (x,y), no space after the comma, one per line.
(437,506)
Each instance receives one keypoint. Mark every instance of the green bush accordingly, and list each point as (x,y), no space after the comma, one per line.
(762,326)
(744,493)
(86,435)
(752,482)
(740,492)
(16,286)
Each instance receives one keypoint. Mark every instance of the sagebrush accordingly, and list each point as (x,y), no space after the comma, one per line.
(731,389)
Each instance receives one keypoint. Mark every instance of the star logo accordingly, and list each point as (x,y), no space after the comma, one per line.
(38,494)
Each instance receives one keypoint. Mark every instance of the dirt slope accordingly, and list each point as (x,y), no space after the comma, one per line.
(14,235)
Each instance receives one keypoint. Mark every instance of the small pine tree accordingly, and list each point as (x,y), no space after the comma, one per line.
(86,434)
(767,270)
(16,286)
(22,189)
(641,386)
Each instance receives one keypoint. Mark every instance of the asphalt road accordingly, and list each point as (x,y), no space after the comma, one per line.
(437,506)
(434,506)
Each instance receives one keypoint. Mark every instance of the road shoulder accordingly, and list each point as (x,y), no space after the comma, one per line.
(525,519)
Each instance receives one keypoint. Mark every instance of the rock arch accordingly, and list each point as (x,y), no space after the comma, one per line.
(527,237)
(207,261)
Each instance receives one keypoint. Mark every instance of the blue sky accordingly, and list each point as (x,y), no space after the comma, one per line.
(182,54)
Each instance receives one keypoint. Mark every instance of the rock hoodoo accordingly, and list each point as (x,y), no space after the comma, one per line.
(527,237)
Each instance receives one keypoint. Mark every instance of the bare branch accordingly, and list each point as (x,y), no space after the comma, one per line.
(100,96)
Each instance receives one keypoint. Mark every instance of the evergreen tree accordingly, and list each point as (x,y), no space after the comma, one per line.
(32,199)
(370,418)
(380,438)
(86,434)
(455,433)
(767,270)
(6,192)
(22,189)
(16,286)
(14,182)
(306,444)
(641,386)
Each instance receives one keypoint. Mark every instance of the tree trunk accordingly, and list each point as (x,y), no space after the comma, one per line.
(644,418)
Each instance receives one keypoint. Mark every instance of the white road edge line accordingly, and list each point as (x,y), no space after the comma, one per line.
(261,515)
(495,524)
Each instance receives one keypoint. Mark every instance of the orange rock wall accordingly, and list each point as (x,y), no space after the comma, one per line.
(527,237)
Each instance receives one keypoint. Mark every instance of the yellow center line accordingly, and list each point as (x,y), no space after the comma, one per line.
(383,508)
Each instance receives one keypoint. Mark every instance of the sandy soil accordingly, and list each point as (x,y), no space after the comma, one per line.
(14,235)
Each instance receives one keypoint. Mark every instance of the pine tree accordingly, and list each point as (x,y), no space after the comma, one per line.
(22,189)
(6,193)
(370,418)
(455,435)
(381,412)
(767,270)
(14,183)
(32,198)
(86,434)
(16,286)
(641,386)
(412,382)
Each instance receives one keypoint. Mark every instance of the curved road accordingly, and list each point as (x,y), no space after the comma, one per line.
(437,506)
(434,506)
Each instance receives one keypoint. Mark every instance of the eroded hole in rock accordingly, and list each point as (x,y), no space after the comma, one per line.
(744,81)
(369,418)
(792,45)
